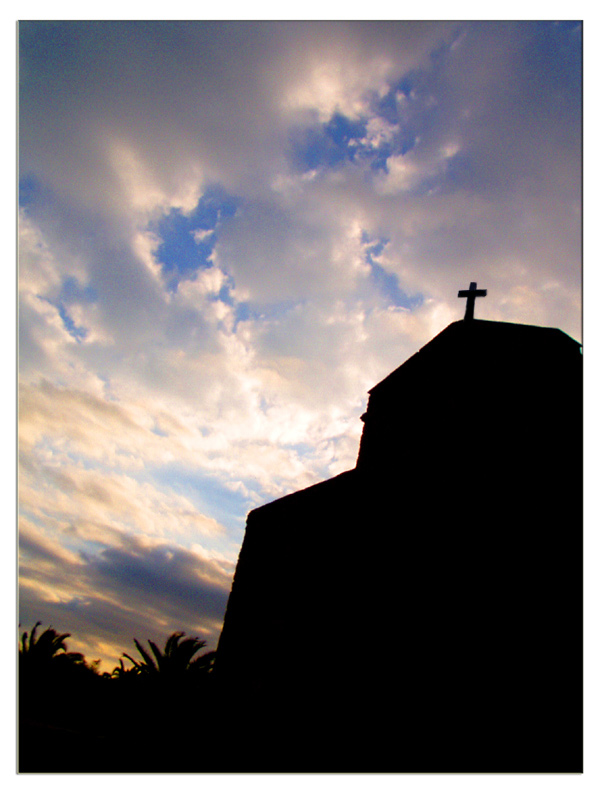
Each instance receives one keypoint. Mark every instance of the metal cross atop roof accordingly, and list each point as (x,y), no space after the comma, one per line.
(471,293)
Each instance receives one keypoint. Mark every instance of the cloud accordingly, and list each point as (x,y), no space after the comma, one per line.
(125,591)
(43,549)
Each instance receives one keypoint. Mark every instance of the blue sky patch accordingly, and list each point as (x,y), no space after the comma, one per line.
(73,291)
(30,190)
(553,64)
(387,282)
(406,108)
(388,285)
(188,240)
(158,431)
(326,145)
(209,494)
(77,332)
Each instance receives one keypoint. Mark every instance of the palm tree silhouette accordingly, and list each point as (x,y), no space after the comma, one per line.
(49,644)
(47,653)
(176,659)
(122,672)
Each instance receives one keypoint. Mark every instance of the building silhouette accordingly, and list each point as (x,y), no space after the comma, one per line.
(422,612)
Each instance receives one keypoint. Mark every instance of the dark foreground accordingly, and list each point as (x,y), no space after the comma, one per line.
(113,727)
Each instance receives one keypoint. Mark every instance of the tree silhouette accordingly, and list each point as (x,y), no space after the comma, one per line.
(122,672)
(68,710)
(49,644)
(48,653)
(176,659)
(44,662)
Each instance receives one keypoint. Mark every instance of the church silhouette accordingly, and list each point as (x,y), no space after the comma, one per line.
(422,612)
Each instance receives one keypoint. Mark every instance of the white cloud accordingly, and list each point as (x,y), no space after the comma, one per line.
(403,174)
(379,131)
(200,235)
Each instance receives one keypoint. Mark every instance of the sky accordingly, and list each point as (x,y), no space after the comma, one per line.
(228,233)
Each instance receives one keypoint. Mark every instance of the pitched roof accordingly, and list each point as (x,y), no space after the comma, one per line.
(476,338)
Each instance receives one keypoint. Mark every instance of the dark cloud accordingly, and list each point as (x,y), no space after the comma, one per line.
(36,548)
(179,89)
(123,592)
(166,578)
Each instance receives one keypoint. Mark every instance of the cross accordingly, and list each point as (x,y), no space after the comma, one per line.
(471,293)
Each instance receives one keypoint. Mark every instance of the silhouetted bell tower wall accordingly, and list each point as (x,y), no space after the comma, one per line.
(423,612)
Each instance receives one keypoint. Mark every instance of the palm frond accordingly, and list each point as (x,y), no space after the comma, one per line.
(188,649)
(135,663)
(160,658)
(152,667)
(120,669)
(173,643)
(74,658)
(59,642)
(32,637)
(49,643)
(204,662)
